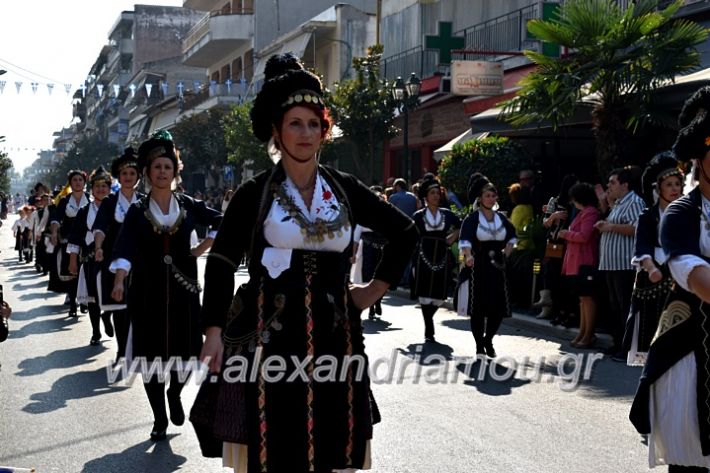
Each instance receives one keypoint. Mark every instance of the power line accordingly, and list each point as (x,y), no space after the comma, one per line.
(8,64)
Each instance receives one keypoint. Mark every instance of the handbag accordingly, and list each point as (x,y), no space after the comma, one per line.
(554,249)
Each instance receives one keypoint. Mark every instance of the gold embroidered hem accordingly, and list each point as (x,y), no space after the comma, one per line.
(234,455)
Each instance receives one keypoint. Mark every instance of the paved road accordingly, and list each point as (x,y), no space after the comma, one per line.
(59,414)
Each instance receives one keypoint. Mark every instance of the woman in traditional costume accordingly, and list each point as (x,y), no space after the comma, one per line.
(153,245)
(295,221)
(672,403)
(62,219)
(81,254)
(438,230)
(662,183)
(111,215)
(487,237)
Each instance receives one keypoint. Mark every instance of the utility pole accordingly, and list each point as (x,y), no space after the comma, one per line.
(378,15)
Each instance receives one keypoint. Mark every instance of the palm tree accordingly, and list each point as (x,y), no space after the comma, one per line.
(617,58)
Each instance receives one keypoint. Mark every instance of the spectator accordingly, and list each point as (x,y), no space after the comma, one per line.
(558,213)
(617,249)
(526,178)
(520,262)
(227,198)
(581,259)
(403,200)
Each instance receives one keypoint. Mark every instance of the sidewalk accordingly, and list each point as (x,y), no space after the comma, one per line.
(525,321)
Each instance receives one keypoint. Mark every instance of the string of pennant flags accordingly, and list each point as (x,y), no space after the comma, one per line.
(180,87)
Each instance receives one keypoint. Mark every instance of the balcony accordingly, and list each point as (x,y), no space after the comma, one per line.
(507,33)
(202,5)
(215,95)
(216,35)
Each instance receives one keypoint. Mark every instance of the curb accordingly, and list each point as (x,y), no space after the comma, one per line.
(524,321)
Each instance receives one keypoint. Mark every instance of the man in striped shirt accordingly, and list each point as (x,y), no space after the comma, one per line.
(616,249)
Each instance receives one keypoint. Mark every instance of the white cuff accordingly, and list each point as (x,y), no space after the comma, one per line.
(512,241)
(681,267)
(464,244)
(638,260)
(73,249)
(212,234)
(120,263)
(97,232)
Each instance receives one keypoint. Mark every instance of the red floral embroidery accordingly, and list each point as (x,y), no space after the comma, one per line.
(327,195)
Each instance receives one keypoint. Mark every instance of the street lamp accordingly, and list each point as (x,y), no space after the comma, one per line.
(407,94)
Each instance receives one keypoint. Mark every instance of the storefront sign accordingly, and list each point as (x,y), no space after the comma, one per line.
(476,78)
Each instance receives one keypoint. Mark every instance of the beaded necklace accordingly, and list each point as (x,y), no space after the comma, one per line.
(437,221)
(490,227)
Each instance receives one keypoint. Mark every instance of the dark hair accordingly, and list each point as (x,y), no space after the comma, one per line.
(694,123)
(75,172)
(477,183)
(519,195)
(286,85)
(129,158)
(426,186)
(160,145)
(630,175)
(567,182)
(583,193)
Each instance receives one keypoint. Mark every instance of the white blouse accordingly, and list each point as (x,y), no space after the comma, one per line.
(681,266)
(284,234)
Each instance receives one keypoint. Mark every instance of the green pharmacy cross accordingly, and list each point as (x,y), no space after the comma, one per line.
(444,42)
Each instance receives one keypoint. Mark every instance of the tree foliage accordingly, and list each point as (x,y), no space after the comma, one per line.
(498,158)
(89,152)
(618,58)
(5,172)
(244,148)
(201,141)
(363,108)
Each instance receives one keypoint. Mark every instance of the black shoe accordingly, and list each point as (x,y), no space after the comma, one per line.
(480,350)
(159,431)
(177,414)
(72,312)
(490,351)
(108,326)
(95,340)
(83,308)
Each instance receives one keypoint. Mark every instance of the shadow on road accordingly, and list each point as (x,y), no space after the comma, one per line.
(58,359)
(155,457)
(372,327)
(43,326)
(36,285)
(489,377)
(37,312)
(78,385)
(422,353)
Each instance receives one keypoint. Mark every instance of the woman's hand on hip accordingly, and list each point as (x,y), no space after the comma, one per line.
(365,295)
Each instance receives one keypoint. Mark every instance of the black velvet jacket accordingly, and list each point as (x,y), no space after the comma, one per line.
(243,224)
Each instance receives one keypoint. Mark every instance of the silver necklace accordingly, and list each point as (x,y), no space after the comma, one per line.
(434,225)
(490,227)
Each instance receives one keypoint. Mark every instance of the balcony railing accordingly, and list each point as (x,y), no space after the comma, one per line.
(505,33)
(203,26)
(235,93)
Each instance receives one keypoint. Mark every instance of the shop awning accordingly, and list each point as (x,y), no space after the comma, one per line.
(467,135)
(165,120)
